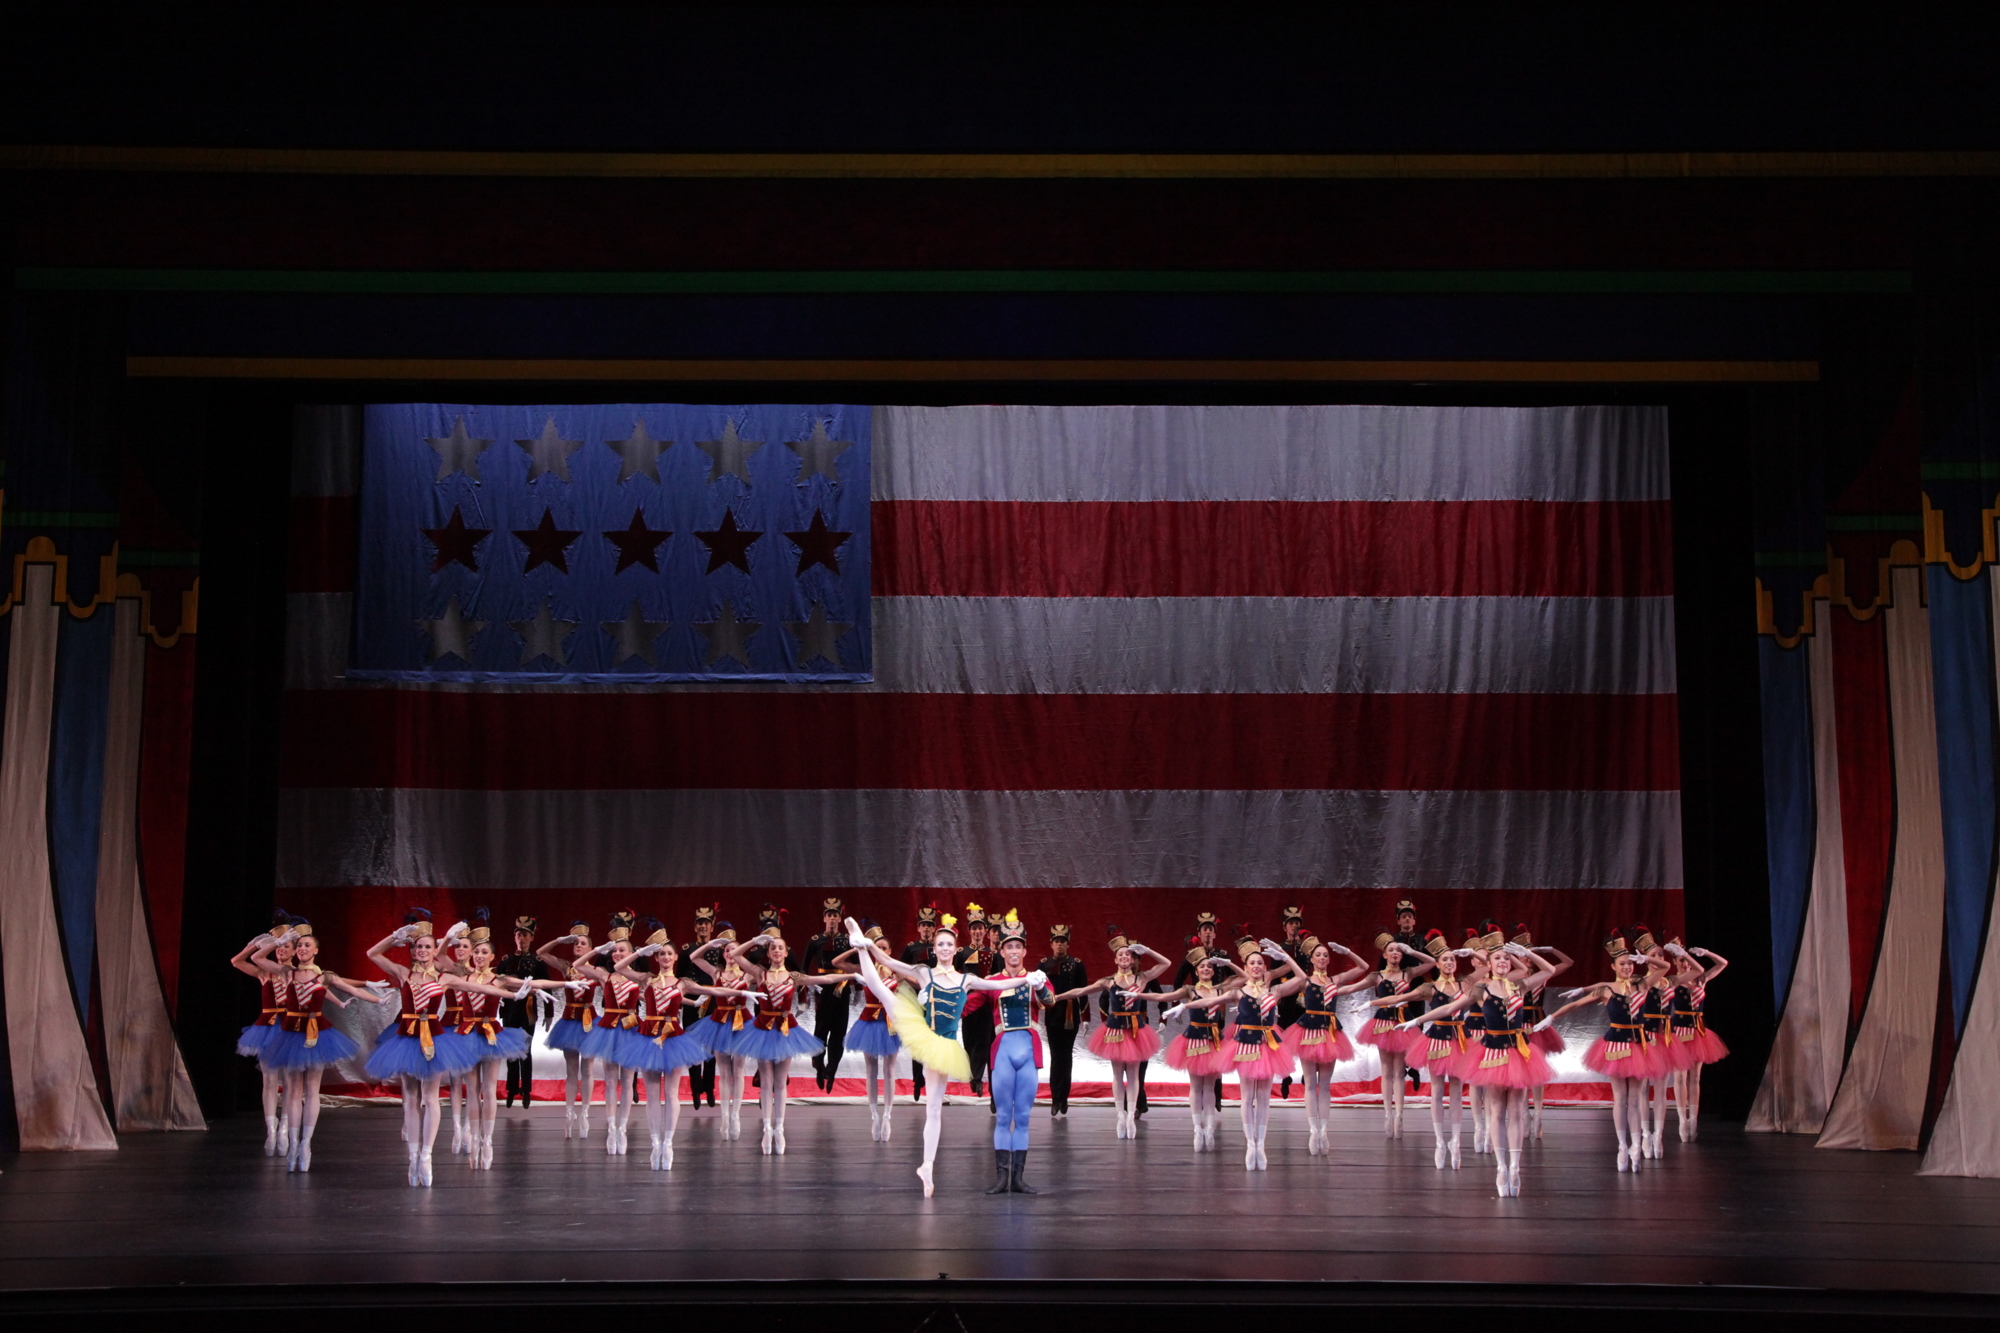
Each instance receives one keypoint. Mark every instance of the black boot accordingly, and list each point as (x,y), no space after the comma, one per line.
(1001,1164)
(1016,1185)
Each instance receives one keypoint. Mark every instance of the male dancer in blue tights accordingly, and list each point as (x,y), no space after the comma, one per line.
(1017,1056)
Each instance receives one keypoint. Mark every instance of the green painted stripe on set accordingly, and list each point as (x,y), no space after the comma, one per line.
(1962,469)
(966,281)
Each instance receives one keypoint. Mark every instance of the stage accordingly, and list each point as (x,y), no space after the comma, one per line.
(1735,1221)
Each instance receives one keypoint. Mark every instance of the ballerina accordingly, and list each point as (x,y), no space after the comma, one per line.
(1399,971)
(1532,1012)
(722,1032)
(494,1044)
(579,1016)
(1448,1046)
(1509,1064)
(271,996)
(657,1046)
(1691,1031)
(775,1038)
(1203,1051)
(453,959)
(302,1048)
(1620,1055)
(1260,1056)
(1123,1038)
(1665,1056)
(1316,1040)
(421,1053)
(617,997)
(873,1038)
(927,1021)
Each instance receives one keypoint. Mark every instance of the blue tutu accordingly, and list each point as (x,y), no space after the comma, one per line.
(718,1038)
(396,1055)
(255,1038)
(288,1050)
(759,1044)
(637,1051)
(508,1044)
(566,1035)
(873,1037)
(602,1043)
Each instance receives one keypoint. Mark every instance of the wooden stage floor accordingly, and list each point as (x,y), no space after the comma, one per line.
(1734,1211)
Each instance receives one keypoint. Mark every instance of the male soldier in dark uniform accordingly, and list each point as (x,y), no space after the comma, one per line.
(830,1003)
(1204,939)
(521,1013)
(917,953)
(1065,973)
(1291,1008)
(701,1078)
(977,960)
(1407,936)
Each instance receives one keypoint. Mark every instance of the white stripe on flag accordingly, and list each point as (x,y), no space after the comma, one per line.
(1270,453)
(978,839)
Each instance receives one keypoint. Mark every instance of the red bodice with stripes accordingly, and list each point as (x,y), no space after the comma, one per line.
(580,1000)
(660,1011)
(774,1011)
(423,1003)
(731,1011)
(479,1015)
(620,998)
(303,1008)
(271,999)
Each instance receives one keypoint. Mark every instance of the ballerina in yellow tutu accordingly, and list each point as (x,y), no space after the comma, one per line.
(925,1015)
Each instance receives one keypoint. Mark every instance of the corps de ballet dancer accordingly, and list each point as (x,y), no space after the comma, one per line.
(421,1052)
(1620,1055)
(1204,1050)
(602,1045)
(1509,1064)
(1123,1038)
(1533,1012)
(1665,1058)
(271,997)
(493,1043)
(722,1032)
(1401,970)
(927,1021)
(578,1020)
(1259,1055)
(871,1036)
(657,1046)
(775,1038)
(1316,1040)
(454,959)
(1448,1045)
(1015,1057)
(1691,1030)
(303,1046)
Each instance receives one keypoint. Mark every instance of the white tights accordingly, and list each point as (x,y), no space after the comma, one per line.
(1201,1108)
(576,1091)
(617,1103)
(1447,1112)
(1125,1096)
(1628,1118)
(729,1090)
(1393,1093)
(879,1071)
(1256,1115)
(773,1080)
(663,1104)
(1319,1101)
(1506,1130)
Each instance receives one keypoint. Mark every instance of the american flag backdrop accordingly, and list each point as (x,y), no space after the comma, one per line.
(1128,663)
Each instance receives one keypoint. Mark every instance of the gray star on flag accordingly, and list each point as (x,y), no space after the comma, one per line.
(544,635)
(458,452)
(453,634)
(549,453)
(727,636)
(640,454)
(818,636)
(729,454)
(818,454)
(635,635)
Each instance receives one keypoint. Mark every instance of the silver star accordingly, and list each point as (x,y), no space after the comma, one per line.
(641,453)
(818,636)
(727,636)
(453,634)
(635,635)
(550,453)
(459,452)
(818,454)
(729,454)
(544,635)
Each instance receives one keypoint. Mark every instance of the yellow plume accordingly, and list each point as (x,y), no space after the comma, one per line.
(1013,918)
(948,921)
(970,908)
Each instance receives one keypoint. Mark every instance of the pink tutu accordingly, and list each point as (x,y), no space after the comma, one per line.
(1218,1059)
(1123,1046)
(1707,1047)
(1444,1058)
(1381,1033)
(1515,1071)
(1624,1060)
(1549,1041)
(1262,1062)
(1331,1048)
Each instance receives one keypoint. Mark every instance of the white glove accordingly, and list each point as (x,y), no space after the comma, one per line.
(1518,950)
(1177,1009)
(603,948)
(457,930)
(648,951)
(859,941)
(1341,948)
(1676,949)
(1542,1026)
(1405,1027)
(1700,952)
(1038,978)
(567,939)
(264,940)
(403,935)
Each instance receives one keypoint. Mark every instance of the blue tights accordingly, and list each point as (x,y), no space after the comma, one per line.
(1014,1080)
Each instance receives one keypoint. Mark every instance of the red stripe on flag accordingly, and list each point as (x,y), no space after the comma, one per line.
(1270,548)
(1363,742)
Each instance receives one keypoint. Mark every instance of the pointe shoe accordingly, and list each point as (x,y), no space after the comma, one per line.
(1439,1157)
(457,1138)
(653,1162)
(569,1122)
(767,1139)
(1500,1181)
(780,1141)
(416,1170)
(924,1174)
(270,1136)
(874,1124)
(1624,1158)
(667,1155)
(1514,1179)
(1119,1123)
(1197,1138)
(1454,1153)
(291,1154)
(887,1124)
(486,1153)
(424,1169)
(1262,1161)
(583,1122)
(305,1151)
(1250,1157)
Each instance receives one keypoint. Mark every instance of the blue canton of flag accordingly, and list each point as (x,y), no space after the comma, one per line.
(613,543)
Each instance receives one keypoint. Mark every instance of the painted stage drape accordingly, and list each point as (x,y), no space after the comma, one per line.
(1878,658)
(1129,663)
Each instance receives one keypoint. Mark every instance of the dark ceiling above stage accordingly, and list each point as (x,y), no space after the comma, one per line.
(1390,78)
